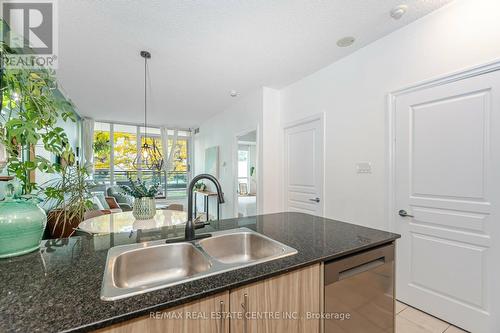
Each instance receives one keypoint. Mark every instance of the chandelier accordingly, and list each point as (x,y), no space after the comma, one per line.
(149,155)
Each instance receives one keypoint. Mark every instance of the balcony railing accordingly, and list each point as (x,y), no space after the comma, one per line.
(173,185)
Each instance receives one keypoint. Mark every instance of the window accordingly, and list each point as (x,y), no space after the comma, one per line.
(115,151)
(124,153)
(102,153)
(149,175)
(177,179)
(243,165)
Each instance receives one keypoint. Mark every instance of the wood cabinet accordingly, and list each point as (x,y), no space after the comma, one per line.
(274,305)
(278,304)
(198,316)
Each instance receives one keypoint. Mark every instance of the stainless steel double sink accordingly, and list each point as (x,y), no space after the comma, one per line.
(139,268)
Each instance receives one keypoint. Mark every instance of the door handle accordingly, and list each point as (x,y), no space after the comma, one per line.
(222,318)
(244,305)
(403,213)
(317,200)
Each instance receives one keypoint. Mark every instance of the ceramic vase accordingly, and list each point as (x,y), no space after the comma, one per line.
(144,208)
(22,224)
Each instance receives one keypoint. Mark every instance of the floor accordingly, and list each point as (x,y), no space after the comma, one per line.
(410,320)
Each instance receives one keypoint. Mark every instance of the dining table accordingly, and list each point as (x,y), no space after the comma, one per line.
(126,222)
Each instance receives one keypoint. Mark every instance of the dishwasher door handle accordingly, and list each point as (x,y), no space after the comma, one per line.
(337,270)
(361,268)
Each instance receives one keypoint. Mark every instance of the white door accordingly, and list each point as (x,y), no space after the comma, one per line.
(447,180)
(304,167)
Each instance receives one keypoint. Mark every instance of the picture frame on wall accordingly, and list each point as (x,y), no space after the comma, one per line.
(212,161)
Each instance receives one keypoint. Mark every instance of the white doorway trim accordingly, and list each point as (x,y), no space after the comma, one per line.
(391,133)
(235,168)
(321,117)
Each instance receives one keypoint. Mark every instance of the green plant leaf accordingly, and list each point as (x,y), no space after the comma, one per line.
(32,118)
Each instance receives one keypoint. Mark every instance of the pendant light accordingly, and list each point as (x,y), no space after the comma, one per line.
(149,156)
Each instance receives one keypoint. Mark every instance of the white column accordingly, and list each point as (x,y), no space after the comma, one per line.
(88,144)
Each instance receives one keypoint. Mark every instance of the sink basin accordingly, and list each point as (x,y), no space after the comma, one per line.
(133,268)
(138,268)
(241,247)
(161,263)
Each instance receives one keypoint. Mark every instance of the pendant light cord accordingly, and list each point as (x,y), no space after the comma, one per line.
(145,99)
(152,158)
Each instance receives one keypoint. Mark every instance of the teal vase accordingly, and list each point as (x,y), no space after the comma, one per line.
(22,224)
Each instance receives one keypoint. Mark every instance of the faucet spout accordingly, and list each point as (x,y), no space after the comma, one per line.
(190,228)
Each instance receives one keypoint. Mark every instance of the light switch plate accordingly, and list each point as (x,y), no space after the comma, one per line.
(363,167)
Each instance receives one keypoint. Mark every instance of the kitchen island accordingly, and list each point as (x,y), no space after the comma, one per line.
(57,289)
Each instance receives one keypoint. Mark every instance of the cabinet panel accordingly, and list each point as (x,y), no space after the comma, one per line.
(198,316)
(278,304)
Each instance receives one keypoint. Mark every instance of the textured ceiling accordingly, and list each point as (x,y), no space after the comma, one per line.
(203,49)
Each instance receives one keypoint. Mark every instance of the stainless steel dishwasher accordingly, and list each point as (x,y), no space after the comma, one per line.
(359,292)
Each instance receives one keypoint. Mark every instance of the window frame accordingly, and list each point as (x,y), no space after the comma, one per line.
(139,136)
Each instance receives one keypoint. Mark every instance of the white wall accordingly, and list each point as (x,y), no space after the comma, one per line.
(271,199)
(259,110)
(252,154)
(245,114)
(353,91)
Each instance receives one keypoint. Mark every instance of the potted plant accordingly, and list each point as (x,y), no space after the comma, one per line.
(70,197)
(200,186)
(31,109)
(144,198)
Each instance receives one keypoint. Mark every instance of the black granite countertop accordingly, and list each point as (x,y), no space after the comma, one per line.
(57,289)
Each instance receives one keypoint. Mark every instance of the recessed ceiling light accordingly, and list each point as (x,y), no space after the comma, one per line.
(346,41)
(233,93)
(399,11)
